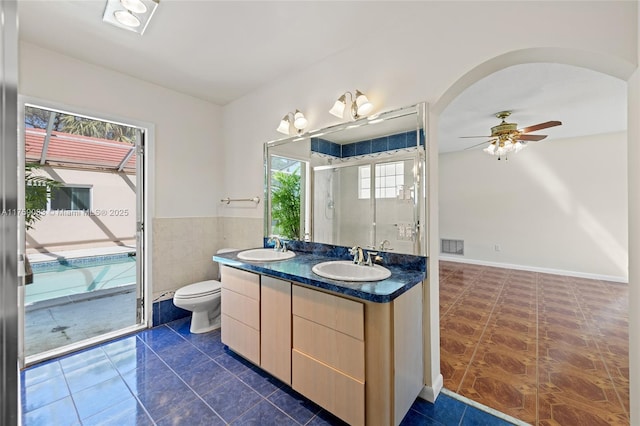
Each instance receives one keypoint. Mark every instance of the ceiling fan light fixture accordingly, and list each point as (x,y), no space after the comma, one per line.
(506,137)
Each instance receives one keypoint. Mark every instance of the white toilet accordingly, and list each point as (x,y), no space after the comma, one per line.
(203,300)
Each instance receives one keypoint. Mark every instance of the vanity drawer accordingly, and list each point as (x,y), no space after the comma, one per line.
(241,338)
(242,282)
(338,350)
(338,313)
(241,308)
(338,393)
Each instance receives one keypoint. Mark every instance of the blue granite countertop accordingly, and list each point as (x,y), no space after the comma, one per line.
(298,269)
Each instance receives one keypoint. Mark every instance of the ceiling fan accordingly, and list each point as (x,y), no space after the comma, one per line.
(506,137)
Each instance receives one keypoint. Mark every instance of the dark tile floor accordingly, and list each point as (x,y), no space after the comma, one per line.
(167,376)
(546,349)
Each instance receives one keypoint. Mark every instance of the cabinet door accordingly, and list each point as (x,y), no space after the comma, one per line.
(338,393)
(338,313)
(275,317)
(240,319)
(241,338)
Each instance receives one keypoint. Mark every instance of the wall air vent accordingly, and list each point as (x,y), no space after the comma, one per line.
(452,247)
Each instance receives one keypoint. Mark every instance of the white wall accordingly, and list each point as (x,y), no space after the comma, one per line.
(634,239)
(113,200)
(423,49)
(188,150)
(188,147)
(558,205)
(427,52)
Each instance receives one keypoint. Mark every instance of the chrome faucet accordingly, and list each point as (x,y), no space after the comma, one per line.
(385,243)
(373,257)
(278,244)
(358,256)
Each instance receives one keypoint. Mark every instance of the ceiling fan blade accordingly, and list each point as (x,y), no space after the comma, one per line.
(531,137)
(465,137)
(478,144)
(540,126)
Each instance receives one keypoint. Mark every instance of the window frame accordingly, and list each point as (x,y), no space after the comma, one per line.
(376,177)
(72,185)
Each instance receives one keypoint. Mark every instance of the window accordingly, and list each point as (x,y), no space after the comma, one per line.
(388,178)
(364,182)
(71,198)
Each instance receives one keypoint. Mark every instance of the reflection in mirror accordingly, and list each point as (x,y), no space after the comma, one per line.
(365,181)
(286,190)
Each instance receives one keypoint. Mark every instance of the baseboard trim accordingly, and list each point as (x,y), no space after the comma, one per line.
(430,393)
(576,274)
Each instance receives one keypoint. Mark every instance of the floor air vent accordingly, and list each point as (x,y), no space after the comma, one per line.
(452,247)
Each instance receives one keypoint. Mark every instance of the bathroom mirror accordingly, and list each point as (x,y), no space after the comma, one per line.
(357,183)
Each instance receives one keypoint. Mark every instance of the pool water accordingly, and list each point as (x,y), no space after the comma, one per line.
(59,279)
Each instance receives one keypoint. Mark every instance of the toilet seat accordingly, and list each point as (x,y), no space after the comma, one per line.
(199,289)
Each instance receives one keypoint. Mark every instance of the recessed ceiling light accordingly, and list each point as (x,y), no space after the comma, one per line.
(126,18)
(136,6)
(130,15)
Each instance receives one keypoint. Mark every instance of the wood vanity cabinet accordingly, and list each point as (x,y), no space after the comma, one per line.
(360,360)
(256,319)
(275,316)
(328,362)
(240,312)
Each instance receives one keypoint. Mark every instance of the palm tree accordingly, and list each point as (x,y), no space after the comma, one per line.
(285,204)
(37,191)
(96,128)
(39,118)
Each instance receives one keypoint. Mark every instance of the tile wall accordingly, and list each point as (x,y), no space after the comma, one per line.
(182,251)
(386,143)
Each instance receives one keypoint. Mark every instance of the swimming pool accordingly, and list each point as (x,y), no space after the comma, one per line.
(54,279)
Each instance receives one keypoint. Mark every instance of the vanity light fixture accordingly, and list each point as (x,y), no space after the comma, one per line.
(360,105)
(131,15)
(299,123)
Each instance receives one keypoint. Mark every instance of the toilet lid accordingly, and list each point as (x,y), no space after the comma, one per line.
(202,288)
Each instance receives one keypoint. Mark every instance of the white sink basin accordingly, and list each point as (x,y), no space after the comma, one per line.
(265,255)
(346,270)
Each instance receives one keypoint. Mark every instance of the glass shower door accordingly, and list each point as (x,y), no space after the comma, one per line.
(394,189)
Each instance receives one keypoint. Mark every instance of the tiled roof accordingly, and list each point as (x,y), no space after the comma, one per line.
(74,150)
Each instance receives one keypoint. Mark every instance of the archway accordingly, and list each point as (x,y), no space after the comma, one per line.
(601,63)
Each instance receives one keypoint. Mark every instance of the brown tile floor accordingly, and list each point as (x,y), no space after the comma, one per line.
(546,349)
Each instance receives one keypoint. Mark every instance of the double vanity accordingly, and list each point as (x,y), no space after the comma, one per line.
(346,336)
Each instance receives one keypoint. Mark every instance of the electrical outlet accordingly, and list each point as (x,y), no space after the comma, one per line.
(497,247)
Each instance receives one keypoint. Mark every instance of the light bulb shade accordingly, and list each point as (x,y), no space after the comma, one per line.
(284,125)
(299,121)
(126,18)
(136,6)
(519,146)
(363,106)
(491,149)
(338,107)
